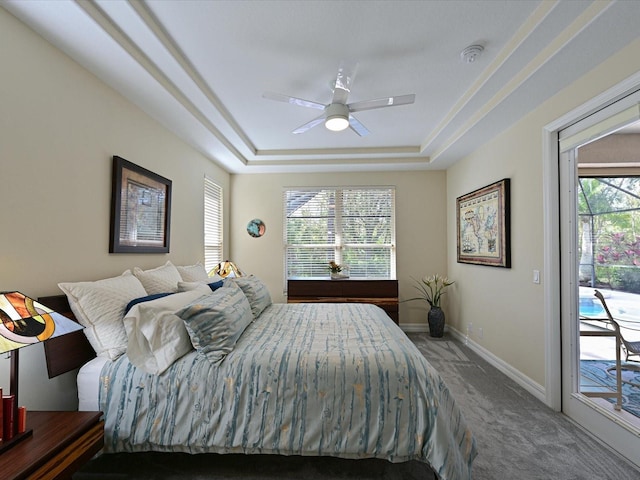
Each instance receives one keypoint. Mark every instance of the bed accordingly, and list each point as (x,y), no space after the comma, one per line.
(295,379)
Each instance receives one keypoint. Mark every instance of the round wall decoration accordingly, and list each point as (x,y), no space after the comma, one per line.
(256,228)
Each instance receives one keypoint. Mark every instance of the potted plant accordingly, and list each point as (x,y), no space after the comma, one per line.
(431,290)
(338,271)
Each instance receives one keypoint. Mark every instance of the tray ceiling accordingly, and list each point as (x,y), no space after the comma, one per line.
(200,68)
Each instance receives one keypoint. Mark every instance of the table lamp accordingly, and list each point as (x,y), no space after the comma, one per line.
(226,269)
(23,322)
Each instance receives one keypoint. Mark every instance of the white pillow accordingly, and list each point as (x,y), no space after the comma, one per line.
(186,286)
(193,273)
(162,279)
(214,278)
(157,337)
(99,307)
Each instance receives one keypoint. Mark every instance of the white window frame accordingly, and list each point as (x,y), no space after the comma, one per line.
(338,246)
(213,227)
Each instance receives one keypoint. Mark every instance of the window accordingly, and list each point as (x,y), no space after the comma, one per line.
(609,233)
(352,226)
(212,224)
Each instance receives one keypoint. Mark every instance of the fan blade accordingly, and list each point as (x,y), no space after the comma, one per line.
(343,83)
(293,100)
(382,102)
(309,125)
(356,126)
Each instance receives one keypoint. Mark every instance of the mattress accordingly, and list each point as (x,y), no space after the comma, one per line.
(88,381)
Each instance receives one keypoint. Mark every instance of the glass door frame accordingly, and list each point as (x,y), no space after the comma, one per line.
(561,265)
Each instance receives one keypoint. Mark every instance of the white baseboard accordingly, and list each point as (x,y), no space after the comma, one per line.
(534,388)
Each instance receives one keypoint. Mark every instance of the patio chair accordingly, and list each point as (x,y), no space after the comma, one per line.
(630,348)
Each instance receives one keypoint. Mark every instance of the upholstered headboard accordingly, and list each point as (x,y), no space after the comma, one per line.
(70,351)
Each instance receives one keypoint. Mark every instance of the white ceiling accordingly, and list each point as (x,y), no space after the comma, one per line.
(200,68)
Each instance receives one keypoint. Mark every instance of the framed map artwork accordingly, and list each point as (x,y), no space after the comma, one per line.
(483,226)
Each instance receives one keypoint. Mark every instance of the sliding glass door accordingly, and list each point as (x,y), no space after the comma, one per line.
(599,226)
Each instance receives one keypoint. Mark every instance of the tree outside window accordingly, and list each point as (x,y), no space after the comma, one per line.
(609,210)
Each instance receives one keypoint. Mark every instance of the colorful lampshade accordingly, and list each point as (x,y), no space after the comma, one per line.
(226,269)
(23,322)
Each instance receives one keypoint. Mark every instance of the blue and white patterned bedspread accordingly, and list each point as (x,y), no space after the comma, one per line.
(304,379)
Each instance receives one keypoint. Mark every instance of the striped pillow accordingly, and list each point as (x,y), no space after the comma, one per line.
(256,292)
(216,322)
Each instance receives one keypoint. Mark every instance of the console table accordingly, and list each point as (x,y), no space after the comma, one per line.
(383,293)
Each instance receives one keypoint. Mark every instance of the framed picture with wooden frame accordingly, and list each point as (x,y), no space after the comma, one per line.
(483,226)
(140,209)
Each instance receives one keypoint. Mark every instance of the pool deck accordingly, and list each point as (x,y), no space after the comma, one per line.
(625,308)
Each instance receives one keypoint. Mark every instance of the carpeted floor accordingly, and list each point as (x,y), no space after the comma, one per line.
(594,376)
(518,437)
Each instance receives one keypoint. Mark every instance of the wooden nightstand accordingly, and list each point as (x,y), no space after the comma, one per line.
(61,443)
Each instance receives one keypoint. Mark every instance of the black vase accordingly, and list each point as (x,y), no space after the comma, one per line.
(436,322)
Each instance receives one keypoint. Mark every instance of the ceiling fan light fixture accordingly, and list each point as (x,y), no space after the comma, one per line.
(336,123)
(337,118)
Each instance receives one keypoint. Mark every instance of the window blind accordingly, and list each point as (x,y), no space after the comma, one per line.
(352,226)
(212,224)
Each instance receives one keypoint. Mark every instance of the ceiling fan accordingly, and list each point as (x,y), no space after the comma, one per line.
(337,115)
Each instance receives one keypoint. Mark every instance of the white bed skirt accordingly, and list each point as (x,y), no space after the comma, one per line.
(89,385)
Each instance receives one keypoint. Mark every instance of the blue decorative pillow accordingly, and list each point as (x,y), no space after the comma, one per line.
(216,322)
(215,285)
(148,298)
(256,292)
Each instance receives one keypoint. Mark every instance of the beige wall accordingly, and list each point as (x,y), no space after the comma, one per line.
(505,302)
(420,220)
(59,127)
